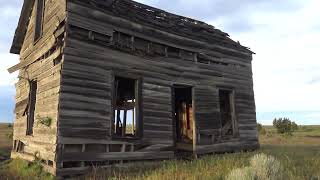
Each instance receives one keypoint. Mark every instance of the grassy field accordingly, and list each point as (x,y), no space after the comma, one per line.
(299,156)
(5,140)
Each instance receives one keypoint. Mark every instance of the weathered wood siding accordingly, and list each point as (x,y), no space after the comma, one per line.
(85,100)
(42,64)
(207,107)
(54,15)
(157,113)
(90,62)
(85,43)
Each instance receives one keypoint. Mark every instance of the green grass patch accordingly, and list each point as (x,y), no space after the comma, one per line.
(5,139)
(20,169)
(299,156)
(4,153)
(297,163)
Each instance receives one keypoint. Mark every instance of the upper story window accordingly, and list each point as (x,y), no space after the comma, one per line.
(38,26)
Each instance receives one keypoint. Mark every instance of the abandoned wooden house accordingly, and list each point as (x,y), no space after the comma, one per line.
(103,82)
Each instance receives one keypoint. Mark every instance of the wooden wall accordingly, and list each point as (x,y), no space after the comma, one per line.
(75,71)
(94,52)
(40,61)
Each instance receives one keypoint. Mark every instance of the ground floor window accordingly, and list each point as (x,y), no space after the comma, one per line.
(125,122)
(31,106)
(227,113)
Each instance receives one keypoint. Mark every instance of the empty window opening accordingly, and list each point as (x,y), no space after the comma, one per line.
(158,49)
(39,20)
(123,40)
(141,45)
(184,114)
(50,163)
(173,52)
(227,112)
(96,148)
(71,164)
(187,55)
(202,60)
(125,110)
(72,148)
(31,106)
(18,146)
(99,38)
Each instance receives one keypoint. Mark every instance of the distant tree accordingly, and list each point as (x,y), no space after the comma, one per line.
(285,126)
(295,126)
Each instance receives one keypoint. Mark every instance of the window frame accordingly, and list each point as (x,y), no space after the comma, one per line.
(234,119)
(38,25)
(32,101)
(138,104)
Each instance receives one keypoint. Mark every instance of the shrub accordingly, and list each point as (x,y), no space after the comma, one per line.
(46,121)
(10,125)
(262,167)
(294,126)
(285,126)
(265,167)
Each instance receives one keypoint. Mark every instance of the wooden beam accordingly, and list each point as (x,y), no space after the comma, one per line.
(113,156)
(124,125)
(68,140)
(133,119)
(194,124)
(32,60)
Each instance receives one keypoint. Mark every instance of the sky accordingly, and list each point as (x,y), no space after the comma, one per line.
(285,35)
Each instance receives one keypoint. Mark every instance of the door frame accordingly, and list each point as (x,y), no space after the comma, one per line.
(173,102)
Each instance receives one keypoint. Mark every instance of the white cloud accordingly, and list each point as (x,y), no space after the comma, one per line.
(287,59)
(286,39)
(285,35)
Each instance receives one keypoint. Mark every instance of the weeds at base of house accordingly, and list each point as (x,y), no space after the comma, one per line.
(18,169)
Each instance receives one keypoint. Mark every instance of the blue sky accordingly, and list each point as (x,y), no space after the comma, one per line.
(285,35)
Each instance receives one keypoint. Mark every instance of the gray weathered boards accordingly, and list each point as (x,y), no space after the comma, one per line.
(103,82)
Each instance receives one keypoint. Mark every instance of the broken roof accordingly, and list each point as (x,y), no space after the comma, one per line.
(145,15)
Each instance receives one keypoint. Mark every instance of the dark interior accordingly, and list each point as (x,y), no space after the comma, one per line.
(225,112)
(183,114)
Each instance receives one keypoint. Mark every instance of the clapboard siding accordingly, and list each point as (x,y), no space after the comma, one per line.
(85,44)
(152,111)
(159,73)
(85,102)
(38,61)
(207,108)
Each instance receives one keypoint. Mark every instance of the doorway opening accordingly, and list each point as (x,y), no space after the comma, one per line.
(125,121)
(183,114)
